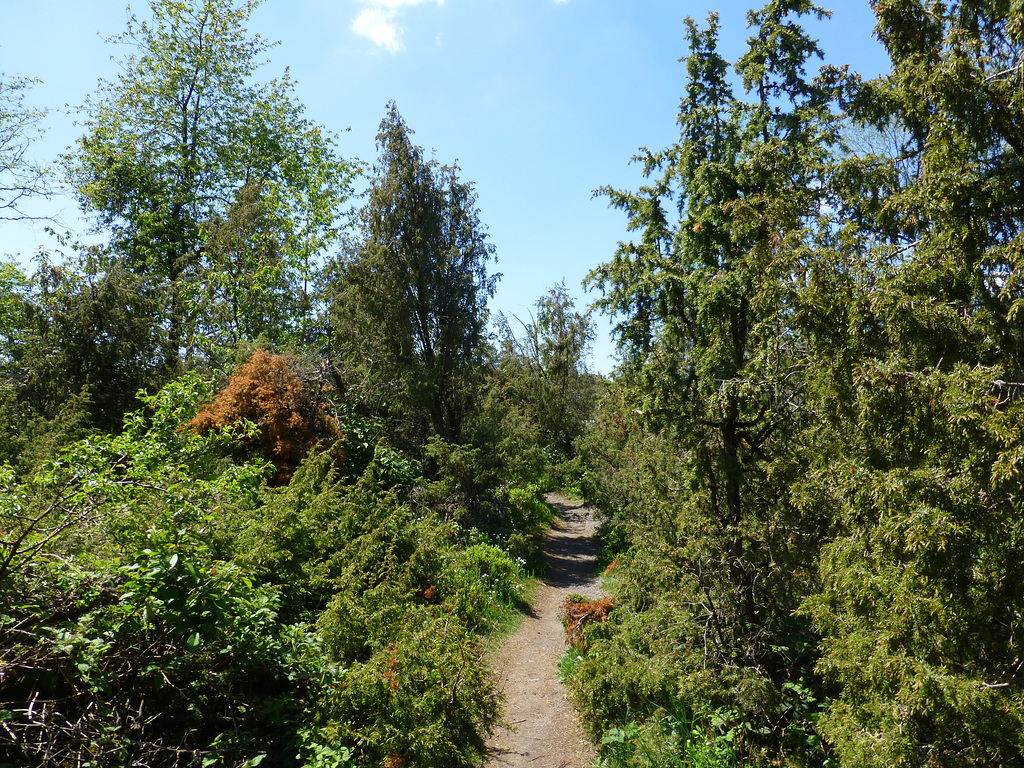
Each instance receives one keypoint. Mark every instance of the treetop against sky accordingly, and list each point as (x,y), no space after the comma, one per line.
(540,103)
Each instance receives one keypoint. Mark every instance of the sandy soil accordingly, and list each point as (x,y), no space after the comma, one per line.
(542,730)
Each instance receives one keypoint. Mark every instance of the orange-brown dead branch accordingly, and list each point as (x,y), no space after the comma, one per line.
(268,392)
(577,612)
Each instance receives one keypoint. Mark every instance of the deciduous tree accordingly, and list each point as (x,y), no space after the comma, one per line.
(181,142)
(20,176)
(545,362)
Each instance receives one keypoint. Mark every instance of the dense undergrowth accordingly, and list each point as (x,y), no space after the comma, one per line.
(165,605)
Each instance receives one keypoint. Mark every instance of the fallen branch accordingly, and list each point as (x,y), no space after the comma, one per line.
(578,612)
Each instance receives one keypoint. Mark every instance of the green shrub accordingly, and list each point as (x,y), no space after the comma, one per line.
(432,702)
(569,665)
(482,584)
(527,508)
(168,656)
(565,474)
(184,614)
(666,740)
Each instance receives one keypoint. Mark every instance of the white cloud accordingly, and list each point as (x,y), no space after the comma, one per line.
(378,22)
(377,25)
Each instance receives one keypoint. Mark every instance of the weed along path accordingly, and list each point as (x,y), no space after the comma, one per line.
(542,730)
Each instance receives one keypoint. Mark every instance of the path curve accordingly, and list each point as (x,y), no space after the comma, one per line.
(542,730)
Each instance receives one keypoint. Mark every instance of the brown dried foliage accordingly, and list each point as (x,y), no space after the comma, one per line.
(577,612)
(268,392)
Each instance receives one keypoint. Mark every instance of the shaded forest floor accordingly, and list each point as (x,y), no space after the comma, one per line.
(541,729)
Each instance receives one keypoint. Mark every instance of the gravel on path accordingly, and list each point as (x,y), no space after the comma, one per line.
(542,730)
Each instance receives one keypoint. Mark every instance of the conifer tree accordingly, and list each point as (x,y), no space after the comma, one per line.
(714,356)
(922,585)
(409,304)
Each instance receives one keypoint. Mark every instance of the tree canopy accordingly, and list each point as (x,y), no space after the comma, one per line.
(410,299)
(812,474)
(20,125)
(207,180)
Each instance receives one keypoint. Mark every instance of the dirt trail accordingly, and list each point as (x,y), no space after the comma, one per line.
(544,732)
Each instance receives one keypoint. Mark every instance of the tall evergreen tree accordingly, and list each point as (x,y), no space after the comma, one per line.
(709,295)
(410,302)
(922,586)
(92,333)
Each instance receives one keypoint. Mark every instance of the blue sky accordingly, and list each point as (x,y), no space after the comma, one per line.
(540,102)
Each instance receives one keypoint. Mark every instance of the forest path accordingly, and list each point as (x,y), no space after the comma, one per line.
(542,730)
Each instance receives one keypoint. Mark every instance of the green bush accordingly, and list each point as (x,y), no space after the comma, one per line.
(335,620)
(400,593)
(416,689)
(667,740)
(426,699)
(482,583)
(527,508)
(169,655)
